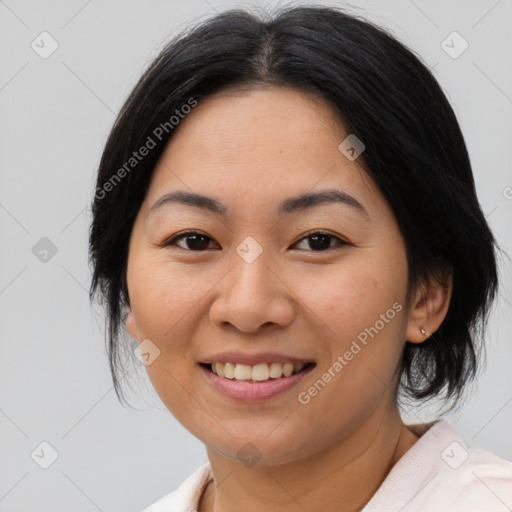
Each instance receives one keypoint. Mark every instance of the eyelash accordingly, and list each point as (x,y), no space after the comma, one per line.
(185,234)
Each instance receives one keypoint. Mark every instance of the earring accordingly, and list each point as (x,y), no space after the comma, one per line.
(423,331)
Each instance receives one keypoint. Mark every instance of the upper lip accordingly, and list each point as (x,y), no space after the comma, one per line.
(253,359)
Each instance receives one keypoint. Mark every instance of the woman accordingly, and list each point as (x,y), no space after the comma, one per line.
(286,221)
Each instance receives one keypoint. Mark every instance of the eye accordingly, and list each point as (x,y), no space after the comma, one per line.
(194,241)
(320,241)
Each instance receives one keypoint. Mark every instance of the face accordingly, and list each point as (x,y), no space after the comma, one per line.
(314,283)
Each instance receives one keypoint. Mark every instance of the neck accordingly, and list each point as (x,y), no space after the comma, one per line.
(342,478)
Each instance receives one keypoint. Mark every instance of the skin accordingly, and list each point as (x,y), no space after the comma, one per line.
(250,149)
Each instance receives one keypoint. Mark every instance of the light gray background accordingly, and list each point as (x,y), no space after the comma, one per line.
(55,114)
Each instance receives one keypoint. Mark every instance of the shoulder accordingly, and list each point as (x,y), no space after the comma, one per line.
(186,497)
(474,479)
(440,472)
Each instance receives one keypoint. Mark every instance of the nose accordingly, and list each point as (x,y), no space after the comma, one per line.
(253,296)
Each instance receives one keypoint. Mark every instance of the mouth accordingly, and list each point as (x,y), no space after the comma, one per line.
(256,373)
(254,383)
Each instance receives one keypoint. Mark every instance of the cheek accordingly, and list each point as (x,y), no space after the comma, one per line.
(348,299)
(164,297)
(163,294)
(359,316)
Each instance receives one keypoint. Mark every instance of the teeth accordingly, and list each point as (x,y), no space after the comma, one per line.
(276,370)
(298,367)
(229,370)
(287,369)
(259,372)
(219,369)
(243,372)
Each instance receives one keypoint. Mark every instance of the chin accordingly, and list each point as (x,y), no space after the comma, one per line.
(261,449)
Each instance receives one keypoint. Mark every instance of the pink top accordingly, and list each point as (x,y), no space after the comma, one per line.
(439,473)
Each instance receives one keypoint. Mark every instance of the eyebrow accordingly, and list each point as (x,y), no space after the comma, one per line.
(292,204)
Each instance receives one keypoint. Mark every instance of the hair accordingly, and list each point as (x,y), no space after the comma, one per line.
(382,93)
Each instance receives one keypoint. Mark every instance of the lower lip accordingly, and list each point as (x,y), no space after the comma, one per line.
(250,391)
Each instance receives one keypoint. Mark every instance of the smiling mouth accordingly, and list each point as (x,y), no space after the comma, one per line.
(256,373)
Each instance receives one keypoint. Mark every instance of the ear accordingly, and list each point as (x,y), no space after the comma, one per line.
(428,309)
(130,325)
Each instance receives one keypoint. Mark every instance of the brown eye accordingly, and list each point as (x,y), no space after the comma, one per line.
(320,241)
(194,241)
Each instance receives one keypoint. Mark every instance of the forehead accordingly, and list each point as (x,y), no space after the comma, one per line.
(258,144)
(235,124)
